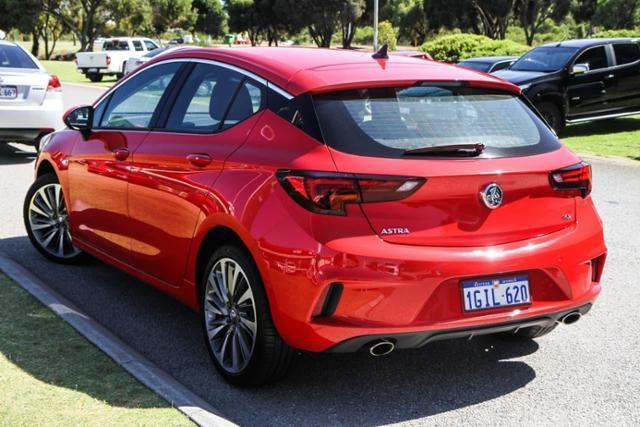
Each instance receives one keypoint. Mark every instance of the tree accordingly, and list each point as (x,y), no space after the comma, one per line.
(172,14)
(486,17)
(349,14)
(617,14)
(583,12)
(211,17)
(84,18)
(532,14)
(133,17)
(24,16)
(413,25)
(244,17)
(321,18)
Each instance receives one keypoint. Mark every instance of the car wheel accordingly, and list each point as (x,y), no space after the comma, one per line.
(553,115)
(243,343)
(46,220)
(95,77)
(527,334)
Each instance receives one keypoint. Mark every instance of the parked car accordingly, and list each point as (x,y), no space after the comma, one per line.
(315,200)
(580,80)
(412,54)
(113,57)
(488,64)
(133,63)
(30,98)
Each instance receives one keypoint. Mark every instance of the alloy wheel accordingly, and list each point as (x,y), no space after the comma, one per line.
(49,223)
(230,315)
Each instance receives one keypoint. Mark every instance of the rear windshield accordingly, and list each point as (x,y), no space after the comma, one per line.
(115,45)
(387,122)
(474,65)
(14,57)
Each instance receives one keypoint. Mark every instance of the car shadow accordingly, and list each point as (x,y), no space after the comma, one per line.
(603,127)
(321,389)
(12,155)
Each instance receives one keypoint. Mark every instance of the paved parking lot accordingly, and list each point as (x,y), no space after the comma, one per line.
(586,373)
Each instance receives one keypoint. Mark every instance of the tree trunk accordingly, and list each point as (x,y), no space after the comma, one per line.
(35,46)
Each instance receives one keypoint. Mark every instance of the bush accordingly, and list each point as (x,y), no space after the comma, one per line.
(387,34)
(617,33)
(457,47)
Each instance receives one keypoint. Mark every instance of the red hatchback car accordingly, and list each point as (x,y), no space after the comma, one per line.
(324,201)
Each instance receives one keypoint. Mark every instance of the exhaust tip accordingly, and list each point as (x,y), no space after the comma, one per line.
(571,318)
(381,348)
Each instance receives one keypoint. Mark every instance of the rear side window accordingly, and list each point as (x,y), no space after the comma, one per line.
(626,53)
(137,45)
(501,65)
(475,65)
(595,58)
(387,122)
(14,57)
(113,45)
(212,99)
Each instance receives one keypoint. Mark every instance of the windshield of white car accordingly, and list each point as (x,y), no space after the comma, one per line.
(14,57)
(545,59)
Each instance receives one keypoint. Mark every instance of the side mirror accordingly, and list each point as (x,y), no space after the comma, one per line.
(79,118)
(580,68)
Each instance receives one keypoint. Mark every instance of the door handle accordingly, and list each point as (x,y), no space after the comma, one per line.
(121,153)
(610,76)
(199,159)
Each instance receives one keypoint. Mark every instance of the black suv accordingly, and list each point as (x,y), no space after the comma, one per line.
(579,80)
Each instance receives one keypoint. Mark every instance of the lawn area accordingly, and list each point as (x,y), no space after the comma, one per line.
(67,73)
(50,375)
(619,137)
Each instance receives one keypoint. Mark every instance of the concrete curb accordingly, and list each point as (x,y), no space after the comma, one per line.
(137,365)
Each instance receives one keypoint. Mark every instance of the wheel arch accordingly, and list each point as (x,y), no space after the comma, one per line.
(44,168)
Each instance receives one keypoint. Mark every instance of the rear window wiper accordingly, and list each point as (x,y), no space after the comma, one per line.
(461,150)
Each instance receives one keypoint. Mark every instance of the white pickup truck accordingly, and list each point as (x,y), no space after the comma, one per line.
(111,60)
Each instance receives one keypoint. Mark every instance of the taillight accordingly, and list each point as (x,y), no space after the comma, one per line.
(573,178)
(108,59)
(329,193)
(54,84)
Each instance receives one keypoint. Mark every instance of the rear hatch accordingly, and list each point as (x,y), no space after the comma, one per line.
(25,87)
(92,60)
(403,132)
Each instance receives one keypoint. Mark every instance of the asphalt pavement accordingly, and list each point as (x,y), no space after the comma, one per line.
(587,373)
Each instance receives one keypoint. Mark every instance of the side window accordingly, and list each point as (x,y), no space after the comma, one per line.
(150,45)
(626,53)
(137,45)
(595,57)
(501,65)
(132,105)
(213,98)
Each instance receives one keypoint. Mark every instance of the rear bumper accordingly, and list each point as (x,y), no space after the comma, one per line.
(27,123)
(419,339)
(392,290)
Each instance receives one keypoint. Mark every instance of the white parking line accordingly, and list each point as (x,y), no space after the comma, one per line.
(137,365)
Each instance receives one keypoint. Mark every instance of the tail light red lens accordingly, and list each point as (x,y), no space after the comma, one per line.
(54,84)
(329,193)
(108,59)
(575,178)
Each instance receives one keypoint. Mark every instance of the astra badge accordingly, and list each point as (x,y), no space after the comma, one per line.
(394,230)
(492,195)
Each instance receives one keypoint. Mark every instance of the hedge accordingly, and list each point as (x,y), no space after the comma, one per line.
(611,34)
(457,47)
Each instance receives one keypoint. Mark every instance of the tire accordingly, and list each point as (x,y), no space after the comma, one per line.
(527,334)
(95,77)
(45,218)
(553,115)
(242,359)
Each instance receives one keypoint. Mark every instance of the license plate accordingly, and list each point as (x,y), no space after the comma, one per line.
(8,92)
(92,70)
(495,293)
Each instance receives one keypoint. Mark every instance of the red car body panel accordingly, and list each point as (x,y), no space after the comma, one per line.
(149,213)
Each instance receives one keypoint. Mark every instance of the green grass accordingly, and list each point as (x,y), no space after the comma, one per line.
(619,137)
(67,73)
(50,375)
